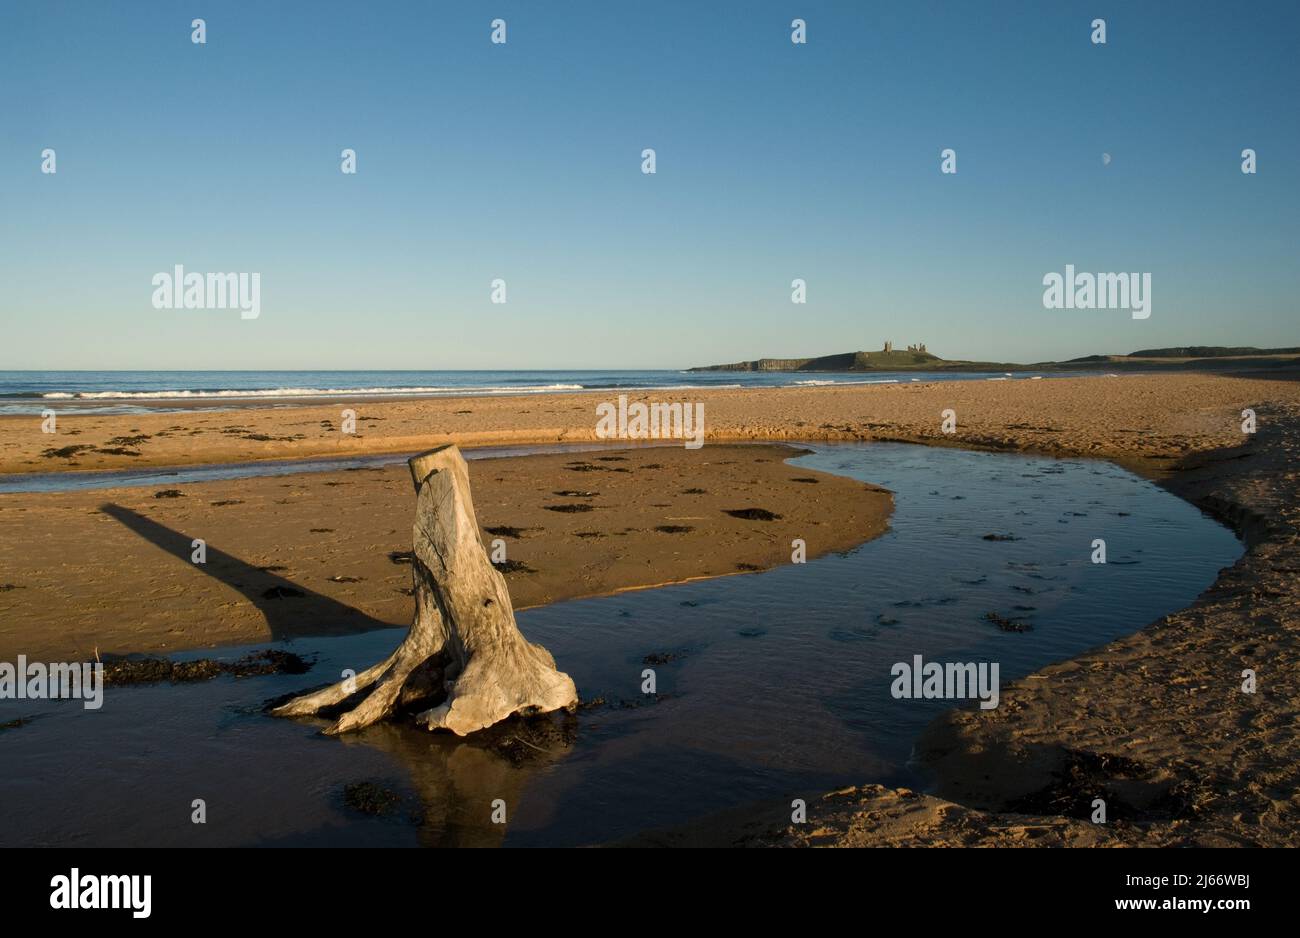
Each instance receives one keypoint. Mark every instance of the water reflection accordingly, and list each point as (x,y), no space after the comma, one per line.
(457,782)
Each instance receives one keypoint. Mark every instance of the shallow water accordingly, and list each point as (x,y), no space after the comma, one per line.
(781,690)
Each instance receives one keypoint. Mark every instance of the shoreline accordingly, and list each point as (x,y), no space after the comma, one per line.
(1056,417)
(182,400)
(180,404)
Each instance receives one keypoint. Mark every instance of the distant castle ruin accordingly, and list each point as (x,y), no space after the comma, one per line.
(919,347)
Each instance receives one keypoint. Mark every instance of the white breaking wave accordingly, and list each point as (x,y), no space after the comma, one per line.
(300,392)
(821,382)
(669,387)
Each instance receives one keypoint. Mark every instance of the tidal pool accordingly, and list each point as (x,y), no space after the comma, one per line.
(770,686)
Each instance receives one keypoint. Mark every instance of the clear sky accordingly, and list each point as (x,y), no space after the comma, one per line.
(523,161)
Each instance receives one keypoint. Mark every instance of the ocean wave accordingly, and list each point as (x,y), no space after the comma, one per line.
(299,392)
(634,386)
(822,382)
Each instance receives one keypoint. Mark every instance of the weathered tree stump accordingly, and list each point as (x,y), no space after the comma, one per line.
(463,645)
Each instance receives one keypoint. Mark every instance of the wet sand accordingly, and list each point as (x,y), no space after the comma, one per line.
(321,553)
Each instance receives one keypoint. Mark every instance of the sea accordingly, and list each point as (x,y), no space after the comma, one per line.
(106,392)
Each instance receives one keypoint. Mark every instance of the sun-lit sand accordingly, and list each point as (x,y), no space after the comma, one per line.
(1128,416)
(321,553)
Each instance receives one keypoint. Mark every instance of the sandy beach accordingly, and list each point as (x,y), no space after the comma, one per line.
(326,552)
(1131,416)
(1156,718)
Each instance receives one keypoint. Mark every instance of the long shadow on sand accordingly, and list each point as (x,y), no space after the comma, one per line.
(291,610)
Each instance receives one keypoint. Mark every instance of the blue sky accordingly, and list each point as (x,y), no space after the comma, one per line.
(522,161)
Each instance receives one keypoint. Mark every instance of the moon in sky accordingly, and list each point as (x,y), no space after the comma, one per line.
(1105,159)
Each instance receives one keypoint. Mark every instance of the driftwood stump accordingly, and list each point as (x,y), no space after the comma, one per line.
(463,645)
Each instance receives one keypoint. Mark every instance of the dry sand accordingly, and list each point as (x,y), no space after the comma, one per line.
(1155,722)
